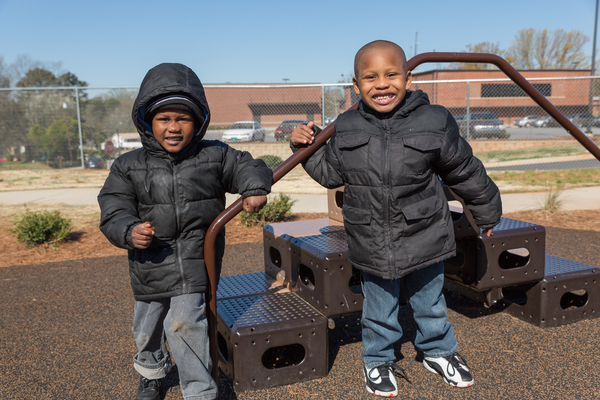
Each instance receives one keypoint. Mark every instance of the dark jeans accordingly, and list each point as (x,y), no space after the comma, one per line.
(380,326)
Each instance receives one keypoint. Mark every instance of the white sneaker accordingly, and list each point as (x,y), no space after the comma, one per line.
(452,368)
(381,380)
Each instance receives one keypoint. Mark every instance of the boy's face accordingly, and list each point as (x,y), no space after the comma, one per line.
(382,79)
(173,129)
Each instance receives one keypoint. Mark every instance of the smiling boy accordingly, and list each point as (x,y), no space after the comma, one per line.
(390,154)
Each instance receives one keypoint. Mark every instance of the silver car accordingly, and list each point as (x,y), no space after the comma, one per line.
(244,131)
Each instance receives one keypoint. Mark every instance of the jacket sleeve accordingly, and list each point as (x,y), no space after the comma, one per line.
(245,175)
(465,174)
(323,165)
(118,208)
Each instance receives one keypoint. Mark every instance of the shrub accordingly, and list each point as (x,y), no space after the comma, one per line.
(44,227)
(276,210)
(271,161)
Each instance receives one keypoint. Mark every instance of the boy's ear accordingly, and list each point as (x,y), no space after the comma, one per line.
(355,83)
(408,80)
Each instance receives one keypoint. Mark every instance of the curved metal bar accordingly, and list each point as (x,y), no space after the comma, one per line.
(516,77)
(297,157)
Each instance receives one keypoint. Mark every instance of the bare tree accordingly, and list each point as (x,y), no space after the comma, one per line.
(540,49)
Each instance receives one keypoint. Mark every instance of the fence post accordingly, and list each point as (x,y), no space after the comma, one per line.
(468,111)
(323,105)
(79,125)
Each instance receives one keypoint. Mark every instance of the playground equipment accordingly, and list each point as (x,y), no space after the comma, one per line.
(272,326)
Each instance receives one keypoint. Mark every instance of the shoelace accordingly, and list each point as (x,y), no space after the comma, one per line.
(457,361)
(396,369)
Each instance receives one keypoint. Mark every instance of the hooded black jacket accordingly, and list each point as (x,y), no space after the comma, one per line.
(395,214)
(179,194)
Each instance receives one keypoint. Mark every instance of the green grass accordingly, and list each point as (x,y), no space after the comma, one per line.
(532,153)
(557,178)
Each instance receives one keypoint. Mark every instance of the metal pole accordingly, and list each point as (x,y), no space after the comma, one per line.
(593,72)
(64,105)
(323,106)
(468,112)
(79,127)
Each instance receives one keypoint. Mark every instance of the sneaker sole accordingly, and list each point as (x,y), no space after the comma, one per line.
(460,384)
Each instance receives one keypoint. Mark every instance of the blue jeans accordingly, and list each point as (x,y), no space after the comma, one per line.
(180,320)
(380,326)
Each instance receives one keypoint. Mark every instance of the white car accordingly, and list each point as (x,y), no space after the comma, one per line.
(244,131)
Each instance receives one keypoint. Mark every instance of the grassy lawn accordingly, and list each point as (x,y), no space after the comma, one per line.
(557,179)
(531,153)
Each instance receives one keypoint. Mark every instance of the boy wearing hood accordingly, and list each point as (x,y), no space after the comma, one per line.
(158,203)
(390,155)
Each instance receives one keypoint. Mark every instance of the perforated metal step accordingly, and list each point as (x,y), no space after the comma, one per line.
(514,254)
(569,292)
(245,285)
(271,340)
(277,243)
(325,277)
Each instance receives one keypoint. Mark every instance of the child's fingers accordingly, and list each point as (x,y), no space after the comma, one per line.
(303,134)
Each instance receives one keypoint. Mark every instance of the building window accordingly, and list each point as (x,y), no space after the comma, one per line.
(512,90)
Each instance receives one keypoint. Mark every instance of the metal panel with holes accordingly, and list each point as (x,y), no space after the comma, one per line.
(271,340)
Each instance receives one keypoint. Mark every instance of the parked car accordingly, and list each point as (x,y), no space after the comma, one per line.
(244,131)
(546,121)
(582,120)
(95,162)
(527,121)
(284,130)
(482,125)
(329,120)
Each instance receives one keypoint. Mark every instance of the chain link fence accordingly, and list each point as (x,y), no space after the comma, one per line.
(89,127)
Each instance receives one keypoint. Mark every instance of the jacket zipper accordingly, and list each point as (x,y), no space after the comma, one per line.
(184,289)
(386,199)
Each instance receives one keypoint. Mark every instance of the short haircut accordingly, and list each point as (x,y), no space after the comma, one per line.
(378,45)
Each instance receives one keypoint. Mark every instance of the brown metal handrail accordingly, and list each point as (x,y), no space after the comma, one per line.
(297,157)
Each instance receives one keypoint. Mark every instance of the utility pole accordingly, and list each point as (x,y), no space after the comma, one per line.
(416,43)
(593,72)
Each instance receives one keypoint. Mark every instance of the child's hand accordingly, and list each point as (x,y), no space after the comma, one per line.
(141,235)
(254,204)
(303,134)
(487,232)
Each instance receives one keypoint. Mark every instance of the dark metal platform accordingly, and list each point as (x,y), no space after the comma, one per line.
(514,254)
(271,340)
(256,283)
(325,277)
(277,243)
(569,292)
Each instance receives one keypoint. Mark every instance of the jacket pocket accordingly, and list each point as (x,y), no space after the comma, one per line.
(347,142)
(422,209)
(357,223)
(354,155)
(420,153)
(425,143)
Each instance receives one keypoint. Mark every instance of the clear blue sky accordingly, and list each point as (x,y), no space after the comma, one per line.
(114,43)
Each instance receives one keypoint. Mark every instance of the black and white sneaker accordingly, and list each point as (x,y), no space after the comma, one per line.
(149,389)
(381,380)
(452,368)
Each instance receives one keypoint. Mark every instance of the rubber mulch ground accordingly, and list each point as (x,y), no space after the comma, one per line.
(65,333)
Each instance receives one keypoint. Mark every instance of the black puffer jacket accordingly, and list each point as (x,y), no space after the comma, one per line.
(395,212)
(179,194)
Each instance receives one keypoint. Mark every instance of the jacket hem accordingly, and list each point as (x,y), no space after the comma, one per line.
(402,272)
